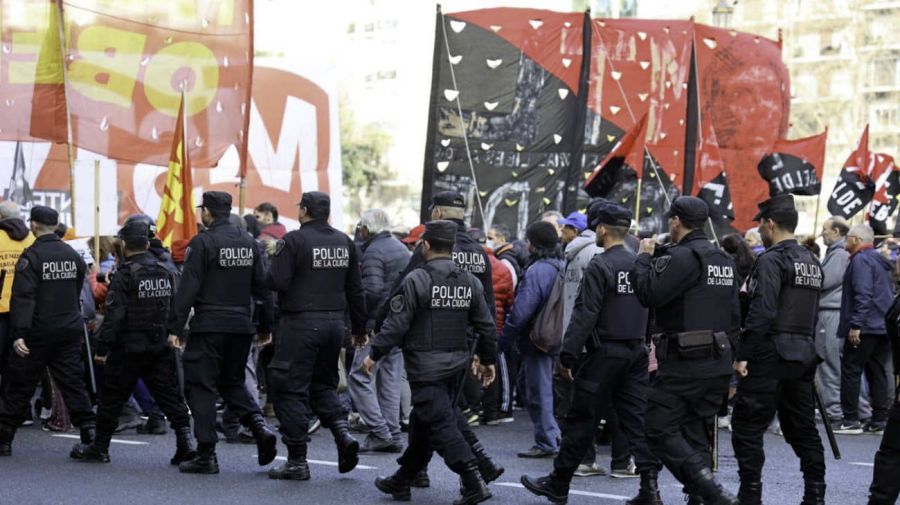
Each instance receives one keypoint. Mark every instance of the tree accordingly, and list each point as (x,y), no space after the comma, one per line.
(363,154)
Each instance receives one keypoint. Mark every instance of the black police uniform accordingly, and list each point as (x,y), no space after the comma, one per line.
(316,274)
(221,275)
(885,486)
(779,345)
(133,337)
(692,290)
(45,312)
(429,320)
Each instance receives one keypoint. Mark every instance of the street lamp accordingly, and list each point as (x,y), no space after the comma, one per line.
(722,13)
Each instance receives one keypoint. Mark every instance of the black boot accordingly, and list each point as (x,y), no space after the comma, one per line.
(204,462)
(155,425)
(266,440)
(550,487)
(397,485)
(489,470)
(184,446)
(473,489)
(693,499)
(347,446)
(649,490)
(88,433)
(750,493)
(421,479)
(96,452)
(295,468)
(6,438)
(704,485)
(813,493)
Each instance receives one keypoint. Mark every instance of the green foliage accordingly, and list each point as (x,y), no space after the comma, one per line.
(363,153)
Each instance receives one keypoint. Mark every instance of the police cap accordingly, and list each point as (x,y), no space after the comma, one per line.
(135,228)
(216,200)
(690,209)
(609,213)
(44,215)
(316,202)
(143,218)
(777,202)
(440,231)
(448,199)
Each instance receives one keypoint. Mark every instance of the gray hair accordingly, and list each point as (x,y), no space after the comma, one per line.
(375,220)
(238,222)
(9,210)
(864,233)
(840,224)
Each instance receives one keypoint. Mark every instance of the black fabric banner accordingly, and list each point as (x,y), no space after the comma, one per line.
(850,195)
(786,173)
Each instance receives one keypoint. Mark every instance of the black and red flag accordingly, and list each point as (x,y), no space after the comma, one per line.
(795,166)
(712,177)
(887,188)
(854,188)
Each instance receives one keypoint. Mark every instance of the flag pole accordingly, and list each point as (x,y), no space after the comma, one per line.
(60,25)
(97,258)
(637,205)
(245,156)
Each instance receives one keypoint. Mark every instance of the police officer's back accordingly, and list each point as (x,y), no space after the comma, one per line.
(776,359)
(222,274)
(47,329)
(690,286)
(132,344)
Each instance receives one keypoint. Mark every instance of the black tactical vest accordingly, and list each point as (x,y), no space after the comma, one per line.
(622,317)
(229,268)
(799,298)
(443,326)
(470,257)
(56,302)
(709,304)
(319,278)
(149,296)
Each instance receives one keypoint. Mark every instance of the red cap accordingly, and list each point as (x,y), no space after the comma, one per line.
(178,247)
(414,235)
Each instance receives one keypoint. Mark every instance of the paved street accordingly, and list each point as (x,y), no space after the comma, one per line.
(40,473)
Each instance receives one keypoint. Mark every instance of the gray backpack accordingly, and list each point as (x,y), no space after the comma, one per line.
(547,331)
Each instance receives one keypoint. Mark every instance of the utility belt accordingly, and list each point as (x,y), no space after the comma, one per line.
(692,345)
(596,341)
(318,315)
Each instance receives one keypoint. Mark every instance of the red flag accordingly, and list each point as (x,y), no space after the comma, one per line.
(630,149)
(855,187)
(712,178)
(177,218)
(858,161)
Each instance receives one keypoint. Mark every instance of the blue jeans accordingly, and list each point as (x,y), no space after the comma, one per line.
(536,385)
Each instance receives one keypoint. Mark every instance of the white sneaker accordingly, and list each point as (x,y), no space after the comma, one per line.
(724,423)
(592,470)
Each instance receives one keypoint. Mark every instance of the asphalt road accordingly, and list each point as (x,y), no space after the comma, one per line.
(40,473)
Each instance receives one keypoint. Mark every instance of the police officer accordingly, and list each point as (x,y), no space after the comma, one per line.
(690,285)
(132,344)
(610,322)
(885,486)
(157,249)
(470,257)
(46,329)
(222,274)
(429,320)
(315,271)
(776,360)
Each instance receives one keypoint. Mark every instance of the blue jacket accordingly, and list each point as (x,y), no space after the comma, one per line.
(867,295)
(531,295)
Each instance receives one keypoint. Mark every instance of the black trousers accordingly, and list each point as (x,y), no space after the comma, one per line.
(62,354)
(885,482)
(215,362)
(612,377)
(303,374)
(865,357)
(786,388)
(678,412)
(5,346)
(436,425)
(158,370)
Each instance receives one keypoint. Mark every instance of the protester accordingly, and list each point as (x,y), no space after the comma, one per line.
(267,217)
(754,240)
(498,238)
(553,217)
(14,238)
(828,342)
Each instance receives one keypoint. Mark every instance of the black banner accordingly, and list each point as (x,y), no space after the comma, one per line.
(786,173)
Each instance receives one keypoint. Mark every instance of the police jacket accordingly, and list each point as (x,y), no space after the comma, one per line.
(137,305)
(784,289)
(222,274)
(691,286)
(316,269)
(606,307)
(47,289)
(429,319)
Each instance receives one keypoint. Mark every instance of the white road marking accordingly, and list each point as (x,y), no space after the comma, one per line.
(328,463)
(859,463)
(579,493)
(115,441)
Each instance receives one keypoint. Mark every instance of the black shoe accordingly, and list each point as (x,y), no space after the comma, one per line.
(6,438)
(704,485)
(536,453)
(241,437)
(875,427)
(421,480)
(374,444)
(813,493)
(88,433)
(204,462)
(750,493)
(396,485)
(347,446)
(266,440)
(295,468)
(648,494)
(549,487)
(89,453)
(487,467)
(155,425)
(184,446)
(473,489)
(693,499)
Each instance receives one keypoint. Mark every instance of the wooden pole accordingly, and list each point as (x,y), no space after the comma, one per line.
(97,257)
(69,142)
(245,155)
(637,206)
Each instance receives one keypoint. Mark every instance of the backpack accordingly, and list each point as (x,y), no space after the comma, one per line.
(547,330)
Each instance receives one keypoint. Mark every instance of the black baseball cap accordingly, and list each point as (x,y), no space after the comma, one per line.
(316,200)
(689,208)
(44,215)
(448,199)
(777,202)
(218,200)
(135,229)
(441,231)
(609,213)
